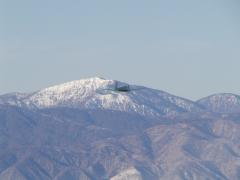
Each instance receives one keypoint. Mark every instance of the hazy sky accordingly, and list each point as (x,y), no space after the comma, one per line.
(189,48)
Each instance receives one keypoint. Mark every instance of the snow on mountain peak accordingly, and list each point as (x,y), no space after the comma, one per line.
(98,93)
(222,103)
(73,91)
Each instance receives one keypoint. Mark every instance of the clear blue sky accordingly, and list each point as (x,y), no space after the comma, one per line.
(190,48)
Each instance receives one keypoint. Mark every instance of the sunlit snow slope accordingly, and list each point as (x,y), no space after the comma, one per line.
(91,93)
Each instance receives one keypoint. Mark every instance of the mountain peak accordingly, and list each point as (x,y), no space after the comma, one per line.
(73,92)
(94,83)
(222,102)
(99,93)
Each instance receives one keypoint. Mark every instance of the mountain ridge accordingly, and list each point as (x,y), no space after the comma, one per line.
(221,103)
(96,93)
(86,93)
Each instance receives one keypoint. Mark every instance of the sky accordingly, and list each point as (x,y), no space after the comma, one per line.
(189,48)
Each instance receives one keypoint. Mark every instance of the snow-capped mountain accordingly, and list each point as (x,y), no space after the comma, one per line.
(222,103)
(85,130)
(95,93)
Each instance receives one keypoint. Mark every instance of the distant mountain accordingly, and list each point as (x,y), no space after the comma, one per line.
(14,99)
(95,93)
(84,130)
(221,103)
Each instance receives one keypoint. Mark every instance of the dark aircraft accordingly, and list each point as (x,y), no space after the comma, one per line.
(120,87)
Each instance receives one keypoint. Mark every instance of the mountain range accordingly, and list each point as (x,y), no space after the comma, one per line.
(86,130)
